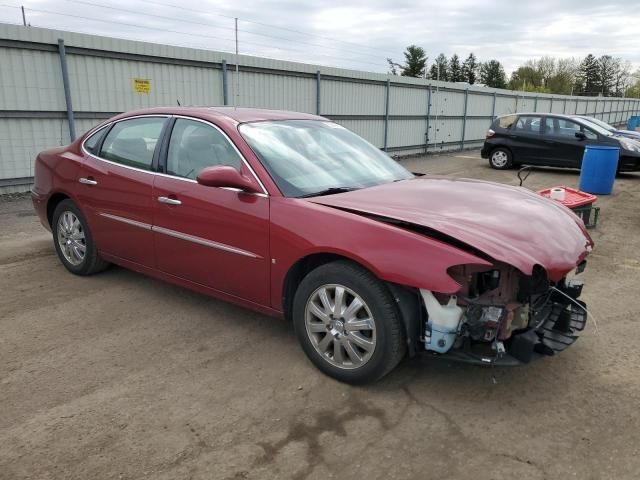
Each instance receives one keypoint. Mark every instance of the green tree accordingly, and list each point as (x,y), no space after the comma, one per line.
(607,71)
(415,63)
(470,69)
(588,81)
(492,74)
(439,69)
(455,69)
(564,77)
(634,90)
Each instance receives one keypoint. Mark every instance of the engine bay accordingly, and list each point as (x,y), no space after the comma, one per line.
(502,316)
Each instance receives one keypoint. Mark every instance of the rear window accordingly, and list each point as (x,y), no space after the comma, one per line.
(506,122)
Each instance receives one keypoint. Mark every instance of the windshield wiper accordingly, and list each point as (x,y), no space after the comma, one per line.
(328,191)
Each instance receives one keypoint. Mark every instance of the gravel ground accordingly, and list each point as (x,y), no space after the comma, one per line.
(120,376)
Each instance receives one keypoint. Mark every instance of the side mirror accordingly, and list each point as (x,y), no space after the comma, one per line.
(226,176)
(580,135)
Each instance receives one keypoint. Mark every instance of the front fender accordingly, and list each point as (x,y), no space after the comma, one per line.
(300,228)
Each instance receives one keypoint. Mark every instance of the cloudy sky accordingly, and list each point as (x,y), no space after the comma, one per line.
(357,34)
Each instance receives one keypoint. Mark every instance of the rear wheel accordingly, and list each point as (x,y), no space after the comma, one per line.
(347,323)
(73,241)
(500,158)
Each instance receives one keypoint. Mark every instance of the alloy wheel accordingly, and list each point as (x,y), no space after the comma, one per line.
(71,238)
(340,326)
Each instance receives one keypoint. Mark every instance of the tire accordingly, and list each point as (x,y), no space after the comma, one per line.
(373,332)
(501,158)
(71,235)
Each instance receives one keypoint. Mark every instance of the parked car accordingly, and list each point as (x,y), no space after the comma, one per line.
(293,215)
(610,128)
(551,140)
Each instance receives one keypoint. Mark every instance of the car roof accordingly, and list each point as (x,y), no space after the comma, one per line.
(233,114)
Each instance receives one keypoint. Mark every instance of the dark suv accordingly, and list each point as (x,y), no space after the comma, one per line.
(551,140)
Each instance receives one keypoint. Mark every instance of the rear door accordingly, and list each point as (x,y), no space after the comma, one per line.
(217,237)
(565,149)
(526,139)
(117,186)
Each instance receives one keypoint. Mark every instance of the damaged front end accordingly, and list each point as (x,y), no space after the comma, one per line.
(501,316)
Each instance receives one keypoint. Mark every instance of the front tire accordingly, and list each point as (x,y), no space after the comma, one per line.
(73,241)
(347,323)
(500,158)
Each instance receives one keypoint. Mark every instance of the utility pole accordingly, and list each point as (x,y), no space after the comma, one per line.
(24,17)
(236,103)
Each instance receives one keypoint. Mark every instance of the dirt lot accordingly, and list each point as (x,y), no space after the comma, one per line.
(119,376)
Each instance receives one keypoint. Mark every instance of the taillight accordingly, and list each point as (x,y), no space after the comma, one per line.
(490,133)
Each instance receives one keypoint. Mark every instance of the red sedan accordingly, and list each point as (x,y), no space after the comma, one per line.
(293,215)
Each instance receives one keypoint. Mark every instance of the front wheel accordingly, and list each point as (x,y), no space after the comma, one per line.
(500,158)
(347,323)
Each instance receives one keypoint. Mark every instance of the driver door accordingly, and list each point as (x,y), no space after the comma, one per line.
(212,236)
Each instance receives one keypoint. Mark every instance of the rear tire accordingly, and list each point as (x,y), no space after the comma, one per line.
(357,342)
(73,240)
(501,158)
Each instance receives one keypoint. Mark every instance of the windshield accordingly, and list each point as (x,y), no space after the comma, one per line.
(310,156)
(600,123)
(594,126)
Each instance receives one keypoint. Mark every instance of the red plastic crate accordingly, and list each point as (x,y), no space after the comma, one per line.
(572,198)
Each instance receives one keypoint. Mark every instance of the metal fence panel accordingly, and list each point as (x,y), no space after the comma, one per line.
(108,75)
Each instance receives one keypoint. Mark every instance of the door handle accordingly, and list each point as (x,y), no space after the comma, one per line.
(87,181)
(169,201)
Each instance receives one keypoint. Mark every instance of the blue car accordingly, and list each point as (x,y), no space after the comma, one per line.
(610,128)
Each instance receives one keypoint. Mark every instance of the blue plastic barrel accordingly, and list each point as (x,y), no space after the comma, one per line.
(599,166)
(633,123)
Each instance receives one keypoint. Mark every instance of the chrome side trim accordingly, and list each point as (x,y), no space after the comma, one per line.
(182,236)
(128,221)
(204,242)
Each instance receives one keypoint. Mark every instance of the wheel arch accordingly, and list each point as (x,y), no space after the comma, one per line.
(53,201)
(407,299)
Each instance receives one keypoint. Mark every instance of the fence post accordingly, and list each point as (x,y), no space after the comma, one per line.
(551,105)
(464,118)
(535,104)
(67,89)
(426,135)
(516,111)
(386,115)
(564,108)
(225,86)
(493,107)
(318,92)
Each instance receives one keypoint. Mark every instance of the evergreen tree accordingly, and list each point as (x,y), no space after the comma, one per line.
(455,70)
(492,74)
(439,70)
(470,69)
(415,62)
(607,71)
(589,74)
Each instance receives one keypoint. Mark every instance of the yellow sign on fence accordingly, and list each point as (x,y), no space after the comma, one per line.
(142,85)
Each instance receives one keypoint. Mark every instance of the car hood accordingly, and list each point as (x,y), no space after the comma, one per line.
(509,224)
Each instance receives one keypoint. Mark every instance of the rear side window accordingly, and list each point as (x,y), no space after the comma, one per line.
(132,142)
(91,143)
(506,122)
(528,124)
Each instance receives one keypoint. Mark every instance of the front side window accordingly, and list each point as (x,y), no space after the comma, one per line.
(195,145)
(132,142)
(561,127)
(528,124)
(305,157)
